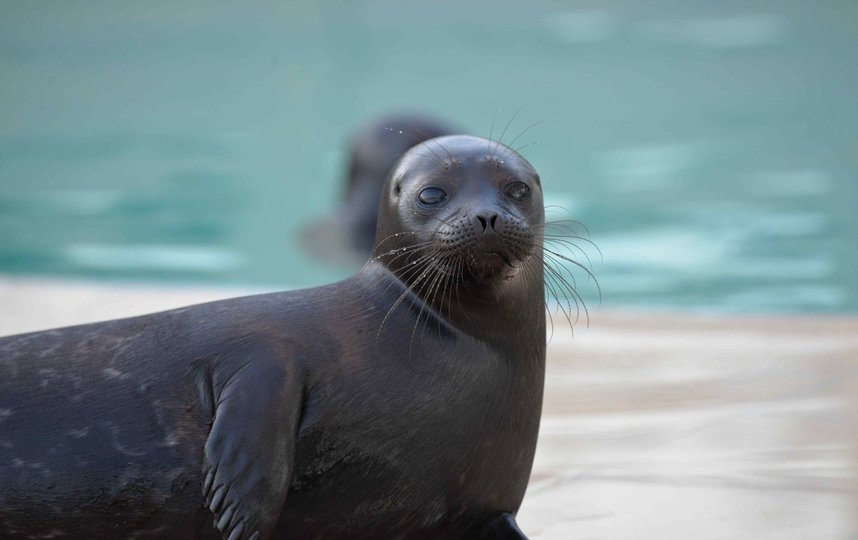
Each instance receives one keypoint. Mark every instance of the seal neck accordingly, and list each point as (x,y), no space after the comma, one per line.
(507,315)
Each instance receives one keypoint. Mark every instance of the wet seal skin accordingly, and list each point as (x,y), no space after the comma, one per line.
(403,402)
(348,235)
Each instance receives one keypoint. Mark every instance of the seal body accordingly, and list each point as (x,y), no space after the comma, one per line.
(403,402)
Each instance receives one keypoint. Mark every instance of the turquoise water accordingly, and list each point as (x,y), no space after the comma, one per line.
(711,150)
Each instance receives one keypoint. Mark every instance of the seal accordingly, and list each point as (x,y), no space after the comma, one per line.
(348,235)
(403,402)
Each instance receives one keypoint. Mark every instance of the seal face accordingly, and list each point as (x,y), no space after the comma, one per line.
(463,213)
(403,402)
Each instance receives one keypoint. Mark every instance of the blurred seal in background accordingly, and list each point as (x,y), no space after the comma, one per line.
(347,235)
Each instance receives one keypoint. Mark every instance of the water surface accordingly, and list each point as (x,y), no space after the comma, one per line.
(711,150)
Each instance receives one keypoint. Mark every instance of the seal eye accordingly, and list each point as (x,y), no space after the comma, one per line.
(518,191)
(432,196)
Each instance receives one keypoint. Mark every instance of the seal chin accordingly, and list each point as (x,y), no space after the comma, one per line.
(495,264)
(498,258)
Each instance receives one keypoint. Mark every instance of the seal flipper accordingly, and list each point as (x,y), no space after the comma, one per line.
(503,527)
(250,449)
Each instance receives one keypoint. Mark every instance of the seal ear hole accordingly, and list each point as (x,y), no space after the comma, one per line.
(397,189)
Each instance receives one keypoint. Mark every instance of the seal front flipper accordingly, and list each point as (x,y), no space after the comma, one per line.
(250,449)
(502,527)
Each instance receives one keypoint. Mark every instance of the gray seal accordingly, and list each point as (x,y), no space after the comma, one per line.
(403,402)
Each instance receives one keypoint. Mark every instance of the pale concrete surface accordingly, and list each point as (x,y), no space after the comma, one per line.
(655,426)
(27,305)
(678,427)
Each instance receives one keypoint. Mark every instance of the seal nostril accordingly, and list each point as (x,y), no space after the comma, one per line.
(482,221)
(494,220)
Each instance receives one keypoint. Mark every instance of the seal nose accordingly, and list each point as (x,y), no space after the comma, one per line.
(487,221)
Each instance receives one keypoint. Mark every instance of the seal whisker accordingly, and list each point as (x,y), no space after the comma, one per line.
(388,238)
(525,130)
(425,137)
(457,285)
(530,273)
(568,239)
(402,276)
(450,285)
(492,131)
(417,141)
(565,242)
(560,290)
(555,243)
(415,249)
(401,247)
(438,158)
(566,224)
(444,148)
(551,284)
(415,266)
(393,282)
(508,123)
(547,234)
(562,231)
(439,280)
(443,268)
(554,255)
(560,268)
(565,236)
(429,278)
(423,133)
(401,251)
(551,313)
(419,266)
(408,269)
(390,310)
(528,145)
(429,292)
(558,236)
(570,289)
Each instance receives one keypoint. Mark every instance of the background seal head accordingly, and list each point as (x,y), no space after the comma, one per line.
(348,234)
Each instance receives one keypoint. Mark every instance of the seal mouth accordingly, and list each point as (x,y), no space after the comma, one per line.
(494,263)
(502,256)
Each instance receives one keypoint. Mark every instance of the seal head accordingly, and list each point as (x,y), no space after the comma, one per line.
(460,221)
